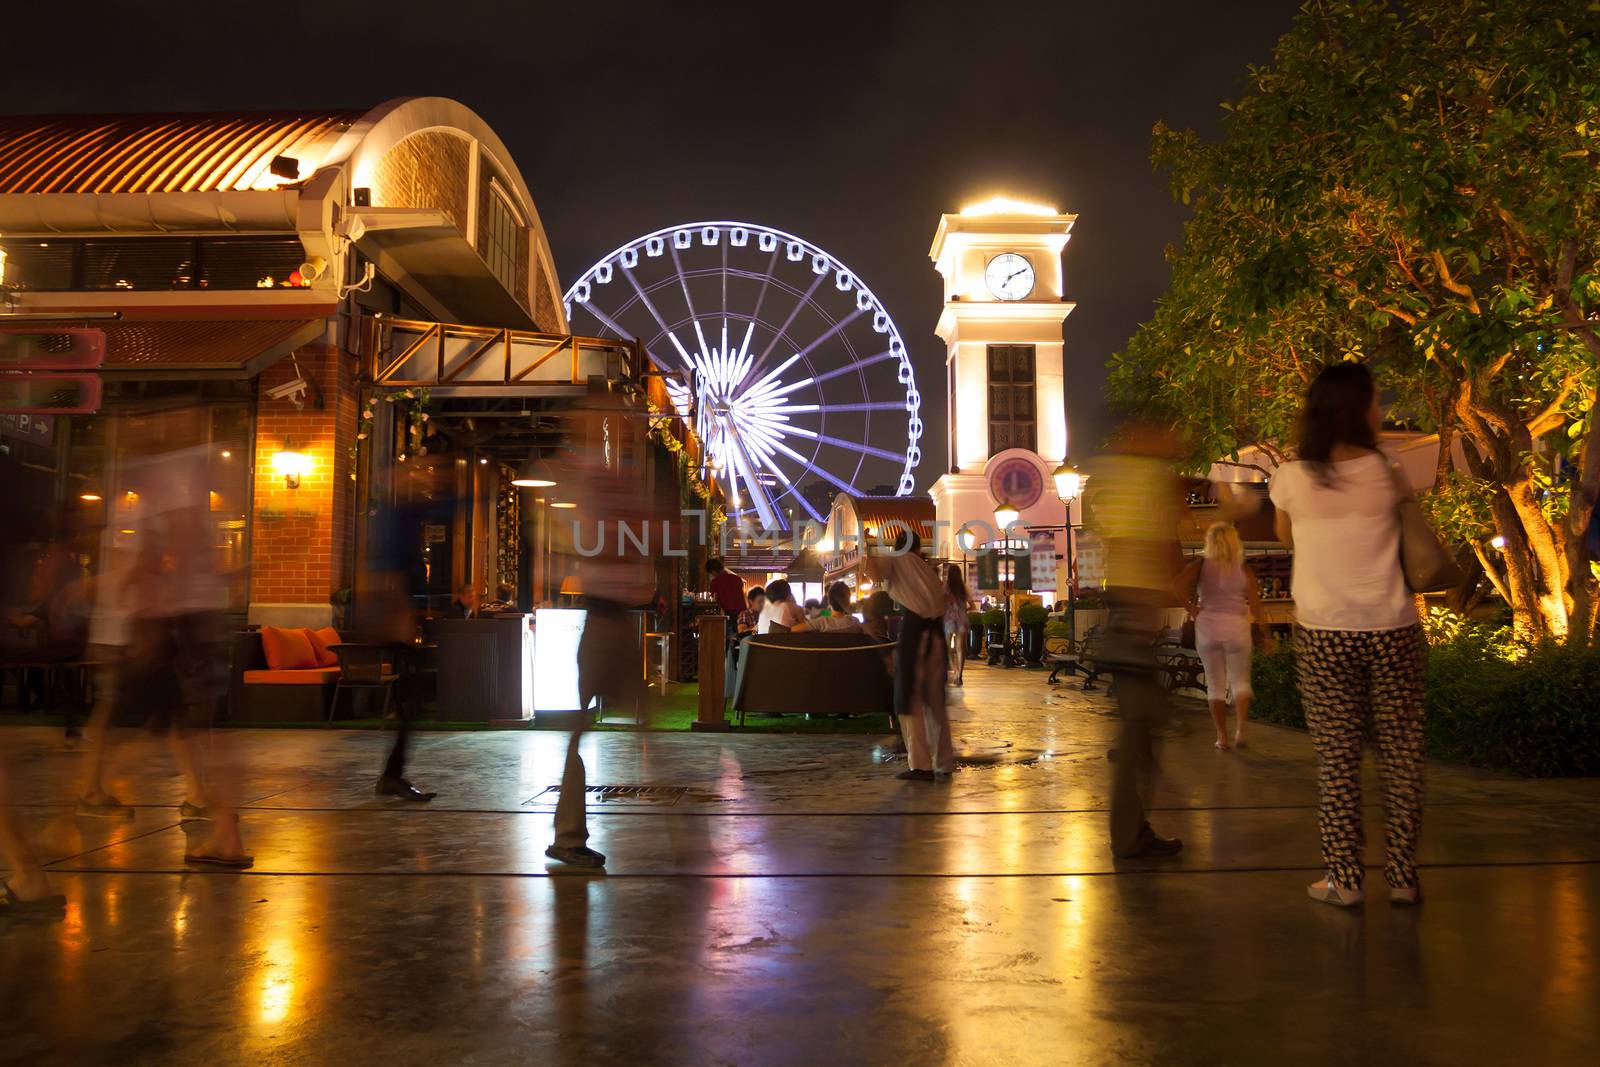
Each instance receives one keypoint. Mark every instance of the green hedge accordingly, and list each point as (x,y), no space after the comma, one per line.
(1537,717)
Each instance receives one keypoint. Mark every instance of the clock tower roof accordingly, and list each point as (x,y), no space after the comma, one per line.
(1001,225)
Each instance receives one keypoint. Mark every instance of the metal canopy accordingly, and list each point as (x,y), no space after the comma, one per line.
(454,360)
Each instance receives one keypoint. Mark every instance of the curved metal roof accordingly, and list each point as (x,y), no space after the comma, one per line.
(162,153)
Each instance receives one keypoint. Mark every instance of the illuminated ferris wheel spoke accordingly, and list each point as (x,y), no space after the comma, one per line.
(831,332)
(794,313)
(866,361)
(771,425)
(648,303)
(853,446)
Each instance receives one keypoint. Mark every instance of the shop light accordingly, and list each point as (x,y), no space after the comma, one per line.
(1498,541)
(563,504)
(533,475)
(292,465)
(89,498)
(226,454)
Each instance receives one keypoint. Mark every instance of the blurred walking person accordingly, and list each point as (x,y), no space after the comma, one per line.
(1358,640)
(618,579)
(1221,594)
(175,660)
(919,675)
(1134,508)
(25,889)
(957,602)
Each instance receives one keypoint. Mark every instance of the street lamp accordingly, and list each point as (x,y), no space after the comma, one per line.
(1069,486)
(1005,516)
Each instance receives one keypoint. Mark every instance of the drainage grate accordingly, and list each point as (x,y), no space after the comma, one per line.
(648,794)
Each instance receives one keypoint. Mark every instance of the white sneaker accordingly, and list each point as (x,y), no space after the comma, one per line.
(1328,893)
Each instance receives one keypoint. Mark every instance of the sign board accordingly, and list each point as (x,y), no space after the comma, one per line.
(1091,560)
(35,429)
(988,570)
(59,394)
(433,533)
(996,566)
(1043,562)
(557,632)
(70,348)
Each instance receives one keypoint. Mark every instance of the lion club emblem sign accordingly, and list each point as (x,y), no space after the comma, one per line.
(1016,478)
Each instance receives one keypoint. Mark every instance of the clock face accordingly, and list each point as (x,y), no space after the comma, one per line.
(1010,276)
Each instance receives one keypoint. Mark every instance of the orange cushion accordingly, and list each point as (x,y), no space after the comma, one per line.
(313,676)
(287,650)
(322,642)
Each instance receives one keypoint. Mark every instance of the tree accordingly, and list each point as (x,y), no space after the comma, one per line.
(1417,185)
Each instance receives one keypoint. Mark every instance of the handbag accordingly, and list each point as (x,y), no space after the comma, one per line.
(1428,566)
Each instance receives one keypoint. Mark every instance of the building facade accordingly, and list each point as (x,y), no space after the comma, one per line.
(1004,307)
(354,314)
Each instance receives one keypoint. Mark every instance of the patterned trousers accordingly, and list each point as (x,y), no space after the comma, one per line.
(1350,681)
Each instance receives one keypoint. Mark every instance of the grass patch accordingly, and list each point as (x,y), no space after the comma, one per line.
(675,711)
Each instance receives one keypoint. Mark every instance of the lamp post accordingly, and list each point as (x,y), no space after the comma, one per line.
(1004,516)
(1069,486)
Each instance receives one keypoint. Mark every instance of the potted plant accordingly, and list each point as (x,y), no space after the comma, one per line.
(994,626)
(1030,620)
(974,634)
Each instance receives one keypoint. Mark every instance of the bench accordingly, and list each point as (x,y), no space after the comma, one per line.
(814,674)
(1181,665)
(64,682)
(1085,658)
(258,693)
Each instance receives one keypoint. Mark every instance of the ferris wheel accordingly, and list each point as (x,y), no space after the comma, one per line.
(790,368)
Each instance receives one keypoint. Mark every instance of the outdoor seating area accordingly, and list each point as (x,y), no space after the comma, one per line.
(814,674)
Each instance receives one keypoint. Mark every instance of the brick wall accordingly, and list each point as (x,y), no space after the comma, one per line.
(300,538)
(426,170)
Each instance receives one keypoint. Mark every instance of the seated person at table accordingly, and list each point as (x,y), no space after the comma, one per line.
(505,599)
(750,617)
(839,620)
(781,614)
(813,609)
(465,605)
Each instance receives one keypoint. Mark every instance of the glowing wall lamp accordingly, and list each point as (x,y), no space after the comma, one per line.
(533,475)
(292,465)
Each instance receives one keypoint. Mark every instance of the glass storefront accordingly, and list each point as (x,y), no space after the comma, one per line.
(81,484)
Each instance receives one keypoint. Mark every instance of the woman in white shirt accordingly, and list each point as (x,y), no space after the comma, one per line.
(1358,642)
(780,610)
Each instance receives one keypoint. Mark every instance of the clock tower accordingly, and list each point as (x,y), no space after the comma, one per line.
(1005,390)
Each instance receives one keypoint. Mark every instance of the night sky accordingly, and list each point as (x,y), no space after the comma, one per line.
(853,126)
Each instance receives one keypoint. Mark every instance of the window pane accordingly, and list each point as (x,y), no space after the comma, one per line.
(147,263)
(38,264)
(999,364)
(245,263)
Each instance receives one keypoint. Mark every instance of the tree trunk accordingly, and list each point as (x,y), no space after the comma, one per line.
(1527,621)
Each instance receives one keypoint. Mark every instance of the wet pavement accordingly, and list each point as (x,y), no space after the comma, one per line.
(785,900)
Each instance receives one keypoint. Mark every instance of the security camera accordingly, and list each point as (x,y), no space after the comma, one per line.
(293,391)
(352,228)
(313,268)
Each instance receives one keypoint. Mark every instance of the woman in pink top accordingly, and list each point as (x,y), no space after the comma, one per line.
(1220,591)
